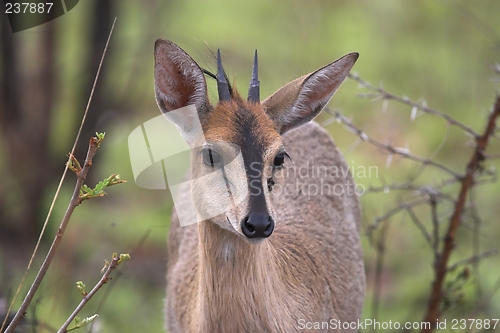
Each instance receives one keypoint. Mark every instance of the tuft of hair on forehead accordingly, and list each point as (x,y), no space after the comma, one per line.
(237,120)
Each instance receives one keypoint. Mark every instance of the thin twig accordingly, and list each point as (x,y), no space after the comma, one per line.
(108,291)
(393,150)
(474,259)
(419,225)
(422,190)
(402,207)
(60,184)
(440,265)
(476,244)
(395,187)
(379,268)
(441,144)
(74,202)
(105,278)
(484,302)
(383,94)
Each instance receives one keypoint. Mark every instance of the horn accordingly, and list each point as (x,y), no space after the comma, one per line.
(222,85)
(254,90)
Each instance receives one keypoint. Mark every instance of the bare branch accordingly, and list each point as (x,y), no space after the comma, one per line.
(474,259)
(476,243)
(484,302)
(492,156)
(402,207)
(379,267)
(440,266)
(380,93)
(441,144)
(419,225)
(395,187)
(392,150)
(421,190)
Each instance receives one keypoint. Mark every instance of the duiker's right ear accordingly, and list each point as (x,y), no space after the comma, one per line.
(179,82)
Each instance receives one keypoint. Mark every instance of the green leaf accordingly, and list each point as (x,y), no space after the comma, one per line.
(124,257)
(87,189)
(100,137)
(106,265)
(98,191)
(81,323)
(80,286)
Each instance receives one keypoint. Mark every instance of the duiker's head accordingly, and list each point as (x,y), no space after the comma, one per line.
(239,147)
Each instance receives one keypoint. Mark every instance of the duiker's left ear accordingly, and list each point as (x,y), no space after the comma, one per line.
(299,101)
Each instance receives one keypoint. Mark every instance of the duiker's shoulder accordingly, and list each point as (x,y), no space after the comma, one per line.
(310,132)
(310,140)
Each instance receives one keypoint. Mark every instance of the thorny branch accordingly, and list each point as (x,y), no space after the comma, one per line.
(473,259)
(404,152)
(441,263)
(433,196)
(380,93)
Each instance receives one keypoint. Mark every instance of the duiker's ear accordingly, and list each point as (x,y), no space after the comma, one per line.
(299,101)
(179,82)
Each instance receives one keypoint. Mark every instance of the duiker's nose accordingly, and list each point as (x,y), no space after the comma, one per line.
(257,225)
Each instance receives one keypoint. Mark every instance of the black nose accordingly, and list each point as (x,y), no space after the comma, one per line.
(257,225)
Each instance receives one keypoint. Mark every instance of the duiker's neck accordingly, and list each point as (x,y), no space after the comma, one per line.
(239,286)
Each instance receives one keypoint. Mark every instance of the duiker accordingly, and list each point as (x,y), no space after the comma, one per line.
(285,257)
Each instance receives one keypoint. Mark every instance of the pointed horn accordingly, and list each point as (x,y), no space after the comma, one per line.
(222,85)
(254,90)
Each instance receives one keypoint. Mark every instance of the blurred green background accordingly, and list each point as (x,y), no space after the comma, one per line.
(438,51)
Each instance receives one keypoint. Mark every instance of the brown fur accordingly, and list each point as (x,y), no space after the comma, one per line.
(314,254)
(226,118)
(311,268)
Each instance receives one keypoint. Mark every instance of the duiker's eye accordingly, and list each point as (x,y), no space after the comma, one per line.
(279,160)
(210,157)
